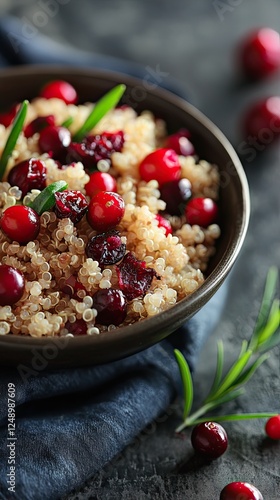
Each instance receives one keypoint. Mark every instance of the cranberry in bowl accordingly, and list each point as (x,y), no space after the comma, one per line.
(160,277)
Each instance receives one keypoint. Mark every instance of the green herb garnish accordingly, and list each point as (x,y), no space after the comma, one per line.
(13,137)
(46,200)
(105,104)
(67,122)
(266,335)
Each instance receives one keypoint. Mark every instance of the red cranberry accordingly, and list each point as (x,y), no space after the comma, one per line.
(272,427)
(28,174)
(180,143)
(105,210)
(240,491)
(163,222)
(262,120)
(201,211)
(79,327)
(38,124)
(20,223)
(111,306)
(72,286)
(71,204)
(106,248)
(260,53)
(162,165)
(61,90)
(7,118)
(176,194)
(95,148)
(209,439)
(134,277)
(11,285)
(55,141)
(100,181)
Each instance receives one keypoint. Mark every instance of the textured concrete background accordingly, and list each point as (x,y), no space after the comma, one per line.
(195,42)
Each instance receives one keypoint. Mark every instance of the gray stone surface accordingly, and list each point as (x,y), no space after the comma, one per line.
(193,44)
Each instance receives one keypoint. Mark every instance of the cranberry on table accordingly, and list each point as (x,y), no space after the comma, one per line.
(97,147)
(71,204)
(11,285)
(240,491)
(162,165)
(28,174)
(163,222)
(201,211)
(272,427)
(106,248)
(260,53)
(176,194)
(262,120)
(180,143)
(20,223)
(105,210)
(209,439)
(55,141)
(38,124)
(100,181)
(60,90)
(111,306)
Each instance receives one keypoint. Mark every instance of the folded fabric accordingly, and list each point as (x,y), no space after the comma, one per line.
(71,422)
(17,48)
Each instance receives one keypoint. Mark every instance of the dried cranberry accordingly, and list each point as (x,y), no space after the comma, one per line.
(162,165)
(111,306)
(180,143)
(28,174)
(209,439)
(72,286)
(134,277)
(100,181)
(163,222)
(201,211)
(20,223)
(176,194)
(79,327)
(106,248)
(105,210)
(55,141)
(38,124)
(71,204)
(60,90)
(240,491)
(7,118)
(96,147)
(11,285)
(259,53)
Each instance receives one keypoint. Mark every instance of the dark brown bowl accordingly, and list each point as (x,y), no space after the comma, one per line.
(24,82)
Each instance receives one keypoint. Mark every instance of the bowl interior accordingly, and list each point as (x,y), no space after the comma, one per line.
(24,82)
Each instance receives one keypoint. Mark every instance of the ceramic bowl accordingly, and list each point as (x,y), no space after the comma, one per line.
(24,82)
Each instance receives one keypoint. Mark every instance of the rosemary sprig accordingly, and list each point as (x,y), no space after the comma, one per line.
(105,104)
(265,336)
(13,137)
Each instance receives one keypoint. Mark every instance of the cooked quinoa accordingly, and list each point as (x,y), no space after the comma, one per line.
(179,259)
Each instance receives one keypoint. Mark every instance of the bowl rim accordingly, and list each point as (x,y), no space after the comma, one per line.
(217,276)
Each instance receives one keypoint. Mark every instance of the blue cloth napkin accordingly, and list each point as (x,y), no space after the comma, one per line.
(71,422)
